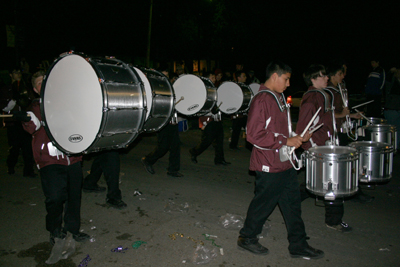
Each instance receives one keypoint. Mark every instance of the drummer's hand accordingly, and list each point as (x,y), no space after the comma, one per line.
(356,115)
(307,136)
(295,141)
(345,111)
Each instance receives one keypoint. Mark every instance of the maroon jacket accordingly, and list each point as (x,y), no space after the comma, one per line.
(267,130)
(309,105)
(44,152)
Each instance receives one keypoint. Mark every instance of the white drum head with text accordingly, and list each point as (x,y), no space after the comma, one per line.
(73,103)
(230,97)
(190,94)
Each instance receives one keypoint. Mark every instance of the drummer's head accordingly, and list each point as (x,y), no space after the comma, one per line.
(210,75)
(240,76)
(336,73)
(37,80)
(277,76)
(316,76)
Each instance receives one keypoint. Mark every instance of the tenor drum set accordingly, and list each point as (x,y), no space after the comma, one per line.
(90,104)
(335,171)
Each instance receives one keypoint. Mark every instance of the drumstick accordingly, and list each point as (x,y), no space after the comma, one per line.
(10,115)
(220,104)
(362,104)
(362,115)
(316,128)
(306,129)
(182,98)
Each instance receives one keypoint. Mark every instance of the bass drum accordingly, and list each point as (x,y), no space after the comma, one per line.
(90,104)
(234,97)
(332,171)
(195,95)
(159,98)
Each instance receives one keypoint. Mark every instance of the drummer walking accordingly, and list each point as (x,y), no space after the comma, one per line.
(316,97)
(276,181)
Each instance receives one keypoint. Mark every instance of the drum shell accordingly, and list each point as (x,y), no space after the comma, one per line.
(98,102)
(159,98)
(332,170)
(375,161)
(383,133)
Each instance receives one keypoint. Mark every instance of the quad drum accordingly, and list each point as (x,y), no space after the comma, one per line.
(332,171)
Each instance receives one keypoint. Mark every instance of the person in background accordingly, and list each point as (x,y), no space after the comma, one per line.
(14,98)
(373,89)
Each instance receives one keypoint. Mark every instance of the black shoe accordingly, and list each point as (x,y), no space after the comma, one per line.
(223,162)
(175,174)
(81,237)
(116,203)
(192,156)
(148,166)
(57,234)
(308,253)
(97,189)
(252,245)
(341,227)
(11,171)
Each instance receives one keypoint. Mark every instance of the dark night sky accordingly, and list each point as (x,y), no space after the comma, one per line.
(297,32)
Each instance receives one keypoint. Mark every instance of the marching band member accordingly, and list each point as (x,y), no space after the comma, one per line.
(276,181)
(316,97)
(212,129)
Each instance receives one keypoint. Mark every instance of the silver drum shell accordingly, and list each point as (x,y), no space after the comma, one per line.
(375,161)
(332,171)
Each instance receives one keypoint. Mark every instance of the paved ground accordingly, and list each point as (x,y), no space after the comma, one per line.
(174,215)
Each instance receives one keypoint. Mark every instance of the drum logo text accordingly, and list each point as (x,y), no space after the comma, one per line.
(192,107)
(230,109)
(75,138)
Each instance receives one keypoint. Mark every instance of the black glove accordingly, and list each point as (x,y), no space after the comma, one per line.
(21,116)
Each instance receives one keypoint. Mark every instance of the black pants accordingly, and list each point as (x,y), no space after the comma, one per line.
(62,187)
(237,125)
(213,131)
(106,162)
(20,140)
(334,211)
(273,189)
(167,140)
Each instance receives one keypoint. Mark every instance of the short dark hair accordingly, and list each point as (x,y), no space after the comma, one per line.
(15,68)
(37,75)
(239,72)
(333,68)
(277,67)
(313,72)
(208,73)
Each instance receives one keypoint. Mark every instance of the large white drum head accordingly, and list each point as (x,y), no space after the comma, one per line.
(148,90)
(254,88)
(230,97)
(73,103)
(193,92)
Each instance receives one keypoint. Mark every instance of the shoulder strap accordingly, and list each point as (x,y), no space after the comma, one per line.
(327,106)
(281,107)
